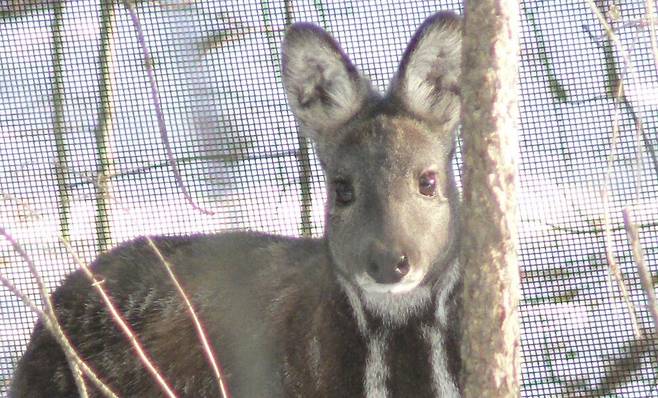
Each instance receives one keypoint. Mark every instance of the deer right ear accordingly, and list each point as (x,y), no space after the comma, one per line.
(324,88)
(427,81)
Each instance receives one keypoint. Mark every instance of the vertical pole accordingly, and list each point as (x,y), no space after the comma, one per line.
(491,347)
(303,158)
(105,125)
(59,128)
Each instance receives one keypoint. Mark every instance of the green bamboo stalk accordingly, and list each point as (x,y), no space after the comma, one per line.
(104,128)
(306,225)
(612,76)
(555,87)
(61,168)
(319,7)
(305,173)
(303,155)
(557,90)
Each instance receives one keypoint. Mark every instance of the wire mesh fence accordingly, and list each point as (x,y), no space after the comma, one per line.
(83,155)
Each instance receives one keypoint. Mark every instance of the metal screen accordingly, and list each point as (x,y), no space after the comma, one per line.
(83,156)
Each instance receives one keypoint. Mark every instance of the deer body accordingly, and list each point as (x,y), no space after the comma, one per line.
(371,310)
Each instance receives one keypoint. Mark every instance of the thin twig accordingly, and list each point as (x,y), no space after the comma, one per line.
(50,311)
(50,319)
(155,97)
(598,230)
(637,23)
(607,234)
(652,30)
(621,369)
(118,319)
(208,349)
(646,140)
(78,375)
(50,322)
(173,5)
(43,292)
(643,270)
(609,31)
(54,328)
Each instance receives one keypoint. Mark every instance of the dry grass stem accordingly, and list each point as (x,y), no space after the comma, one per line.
(607,233)
(643,271)
(173,5)
(55,329)
(619,371)
(50,311)
(121,323)
(614,268)
(609,32)
(78,377)
(214,363)
(651,21)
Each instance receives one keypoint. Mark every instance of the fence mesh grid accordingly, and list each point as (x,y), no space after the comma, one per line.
(82,155)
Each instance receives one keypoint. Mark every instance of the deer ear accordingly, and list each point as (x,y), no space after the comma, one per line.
(324,88)
(427,81)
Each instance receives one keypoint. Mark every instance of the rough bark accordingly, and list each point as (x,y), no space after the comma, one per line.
(491,347)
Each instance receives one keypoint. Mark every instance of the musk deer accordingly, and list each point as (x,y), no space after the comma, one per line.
(370,310)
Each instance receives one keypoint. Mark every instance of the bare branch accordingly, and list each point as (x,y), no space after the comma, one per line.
(607,234)
(210,356)
(50,322)
(609,32)
(50,311)
(651,21)
(55,329)
(620,370)
(642,269)
(121,323)
(155,97)
(614,266)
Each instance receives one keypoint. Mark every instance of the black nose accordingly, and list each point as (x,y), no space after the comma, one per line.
(383,271)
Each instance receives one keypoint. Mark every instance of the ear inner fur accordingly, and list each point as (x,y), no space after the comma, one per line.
(426,83)
(324,88)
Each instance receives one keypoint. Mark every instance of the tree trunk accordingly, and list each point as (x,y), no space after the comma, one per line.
(491,346)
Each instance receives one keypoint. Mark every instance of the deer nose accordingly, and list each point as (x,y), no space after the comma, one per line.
(387,271)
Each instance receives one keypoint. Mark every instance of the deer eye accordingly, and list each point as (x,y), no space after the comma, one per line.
(427,183)
(344,192)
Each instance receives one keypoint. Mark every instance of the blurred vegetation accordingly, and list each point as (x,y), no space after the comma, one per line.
(18,8)
(555,87)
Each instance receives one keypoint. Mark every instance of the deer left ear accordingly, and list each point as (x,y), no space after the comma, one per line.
(427,81)
(324,88)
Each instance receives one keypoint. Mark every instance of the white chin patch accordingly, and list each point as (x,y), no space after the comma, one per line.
(410,282)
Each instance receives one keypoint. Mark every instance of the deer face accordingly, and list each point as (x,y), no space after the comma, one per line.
(391,221)
(390,208)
